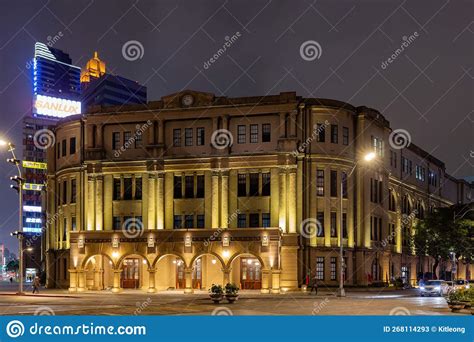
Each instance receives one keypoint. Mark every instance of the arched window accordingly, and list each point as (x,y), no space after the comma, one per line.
(406,207)
(420,211)
(391,200)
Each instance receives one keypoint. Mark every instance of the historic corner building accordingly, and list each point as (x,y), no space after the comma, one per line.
(196,189)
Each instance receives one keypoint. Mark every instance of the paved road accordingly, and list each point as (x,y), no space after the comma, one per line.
(250,303)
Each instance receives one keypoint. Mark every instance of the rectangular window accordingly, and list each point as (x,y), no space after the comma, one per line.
(241,185)
(320,268)
(333,268)
(200,186)
(345,136)
(266,220)
(117,195)
(138,140)
(58,148)
(177,187)
(177,137)
(334,134)
(253,134)
(73,191)
(127,136)
(188,221)
(188,137)
(200,136)
(242,221)
(253,220)
(344,184)
(64,192)
(253,177)
(333,224)
(127,188)
(320,182)
(138,188)
(241,134)
(266,184)
(72,145)
(393,159)
(321,131)
(200,221)
(189,187)
(320,226)
(266,133)
(63,147)
(116,223)
(73,223)
(65,230)
(333,183)
(377,145)
(177,222)
(344,225)
(115,140)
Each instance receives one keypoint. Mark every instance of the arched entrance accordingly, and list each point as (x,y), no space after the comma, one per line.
(206,270)
(134,273)
(98,272)
(170,272)
(246,272)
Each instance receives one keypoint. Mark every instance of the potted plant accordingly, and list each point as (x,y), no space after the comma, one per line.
(216,293)
(455,300)
(231,292)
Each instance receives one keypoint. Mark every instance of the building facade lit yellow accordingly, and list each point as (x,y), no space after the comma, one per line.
(196,189)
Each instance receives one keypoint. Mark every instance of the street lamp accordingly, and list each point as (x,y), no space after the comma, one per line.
(341,292)
(18,179)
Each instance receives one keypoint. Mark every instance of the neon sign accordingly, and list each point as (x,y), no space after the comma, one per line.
(34,165)
(55,106)
(32,208)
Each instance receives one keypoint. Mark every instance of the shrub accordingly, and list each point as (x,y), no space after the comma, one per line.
(231,289)
(216,289)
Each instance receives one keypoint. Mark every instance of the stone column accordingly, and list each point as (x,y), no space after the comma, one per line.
(160,132)
(292,202)
(90,204)
(151,201)
(97,279)
(72,280)
(81,280)
(151,280)
(398,234)
(226,273)
(99,183)
(116,287)
(225,201)
(188,279)
(283,206)
(160,212)
(215,200)
(276,281)
(265,281)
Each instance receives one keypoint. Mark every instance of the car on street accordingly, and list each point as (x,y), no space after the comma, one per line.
(461,284)
(434,288)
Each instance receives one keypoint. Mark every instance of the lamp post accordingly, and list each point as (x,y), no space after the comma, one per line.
(341,292)
(18,179)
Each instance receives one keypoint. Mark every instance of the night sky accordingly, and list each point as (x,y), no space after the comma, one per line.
(427,90)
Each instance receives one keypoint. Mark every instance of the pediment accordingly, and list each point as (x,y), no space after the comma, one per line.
(187,99)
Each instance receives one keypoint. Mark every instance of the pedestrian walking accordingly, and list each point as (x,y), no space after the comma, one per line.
(314,285)
(36,284)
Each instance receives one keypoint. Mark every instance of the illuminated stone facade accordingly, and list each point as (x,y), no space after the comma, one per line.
(154,197)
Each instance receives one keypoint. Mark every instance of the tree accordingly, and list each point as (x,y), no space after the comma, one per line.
(442,233)
(12,266)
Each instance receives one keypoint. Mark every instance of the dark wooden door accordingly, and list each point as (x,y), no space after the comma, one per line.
(250,274)
(131,273)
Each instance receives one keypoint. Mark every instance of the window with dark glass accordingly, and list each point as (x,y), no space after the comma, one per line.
(321,130)
(116,223)
(266,184)
(177,222)
(266,133)
(333,268)
(266,220)
(189,186)
(65,229)
(200,221)
(320,226)
(320,268)
(188,137)
(72,145)
(73,223)
(177,187)
(334,134)
(253,177)
(200,136)
(188,221)
(200,186)
(115,140)
(64,192)
(253,220)
(333,181)
(241,221)
(344,225)
(345,135)
(177,137)
(63,147)
(241,185)
(58,149)
(391,200)
(241,133)
(320,182)
(344,184)
(253,134)
(117,195)
(138,188)
(138,140)
(333,224)
(73,191)
(127,136)
(127,188)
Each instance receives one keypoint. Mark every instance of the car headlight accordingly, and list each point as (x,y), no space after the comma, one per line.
(437,288)
(422,288)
